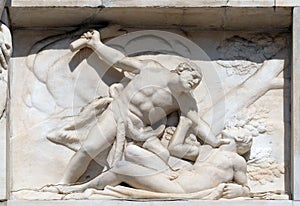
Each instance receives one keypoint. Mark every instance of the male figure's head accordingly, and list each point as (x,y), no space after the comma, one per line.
(241,144)
(189,74)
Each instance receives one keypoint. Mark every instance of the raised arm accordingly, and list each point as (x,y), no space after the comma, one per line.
(203,131)
(109,55)
(188,108)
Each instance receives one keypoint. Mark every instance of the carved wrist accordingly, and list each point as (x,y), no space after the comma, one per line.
(96,45)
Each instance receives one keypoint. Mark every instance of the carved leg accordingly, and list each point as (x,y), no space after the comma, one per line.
(104,179)
(99,138)
(76,167)
(143,157)
(144,178)
(154,145)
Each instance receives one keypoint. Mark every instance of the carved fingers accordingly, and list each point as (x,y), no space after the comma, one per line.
(232,190)
(224,141)
(169,132)
(91,35)
(4,56)
(221,140)
(192,140)
(142,134)
(88,39)
(5,47)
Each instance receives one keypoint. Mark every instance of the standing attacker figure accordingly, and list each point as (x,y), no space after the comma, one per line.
(151,95)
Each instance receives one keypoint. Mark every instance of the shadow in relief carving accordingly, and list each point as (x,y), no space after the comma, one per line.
(149,115)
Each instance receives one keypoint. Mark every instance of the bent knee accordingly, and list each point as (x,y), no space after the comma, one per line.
(121,163)
(132,151)
(121,167)
(88,150)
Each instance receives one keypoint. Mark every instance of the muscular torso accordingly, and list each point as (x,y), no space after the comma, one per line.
(152,103)
(147,98)
(217,168)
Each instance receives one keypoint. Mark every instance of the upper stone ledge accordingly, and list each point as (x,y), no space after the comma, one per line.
(154,3)
(56,3)
(217,18)
(189,3)
(288,3)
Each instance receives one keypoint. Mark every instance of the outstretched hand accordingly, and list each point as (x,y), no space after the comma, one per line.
(222,140)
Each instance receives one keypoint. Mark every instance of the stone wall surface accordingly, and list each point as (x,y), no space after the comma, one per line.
(5,52)
(70,85)
(296,63)
(219,18)
(42,100)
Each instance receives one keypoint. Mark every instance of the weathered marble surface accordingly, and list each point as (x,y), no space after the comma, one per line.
(43,88)
(292,3)
(159,3)
(5,52)
(219,18)
(296,103)
(43,93)
(167,203)
(3,97)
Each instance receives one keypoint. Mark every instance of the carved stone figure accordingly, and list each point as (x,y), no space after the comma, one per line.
(203,179)
(6,46)
(152,126)
(5,53)
(5,41)
(144,102)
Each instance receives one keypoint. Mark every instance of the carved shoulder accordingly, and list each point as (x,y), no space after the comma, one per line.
(239,163)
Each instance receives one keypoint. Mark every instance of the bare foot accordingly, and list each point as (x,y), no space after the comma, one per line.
(62,189)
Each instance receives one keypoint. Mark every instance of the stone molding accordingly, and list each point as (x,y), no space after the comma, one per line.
(295,106)
(157,3)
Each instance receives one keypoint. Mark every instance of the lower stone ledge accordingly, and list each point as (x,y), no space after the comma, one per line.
(152,202)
